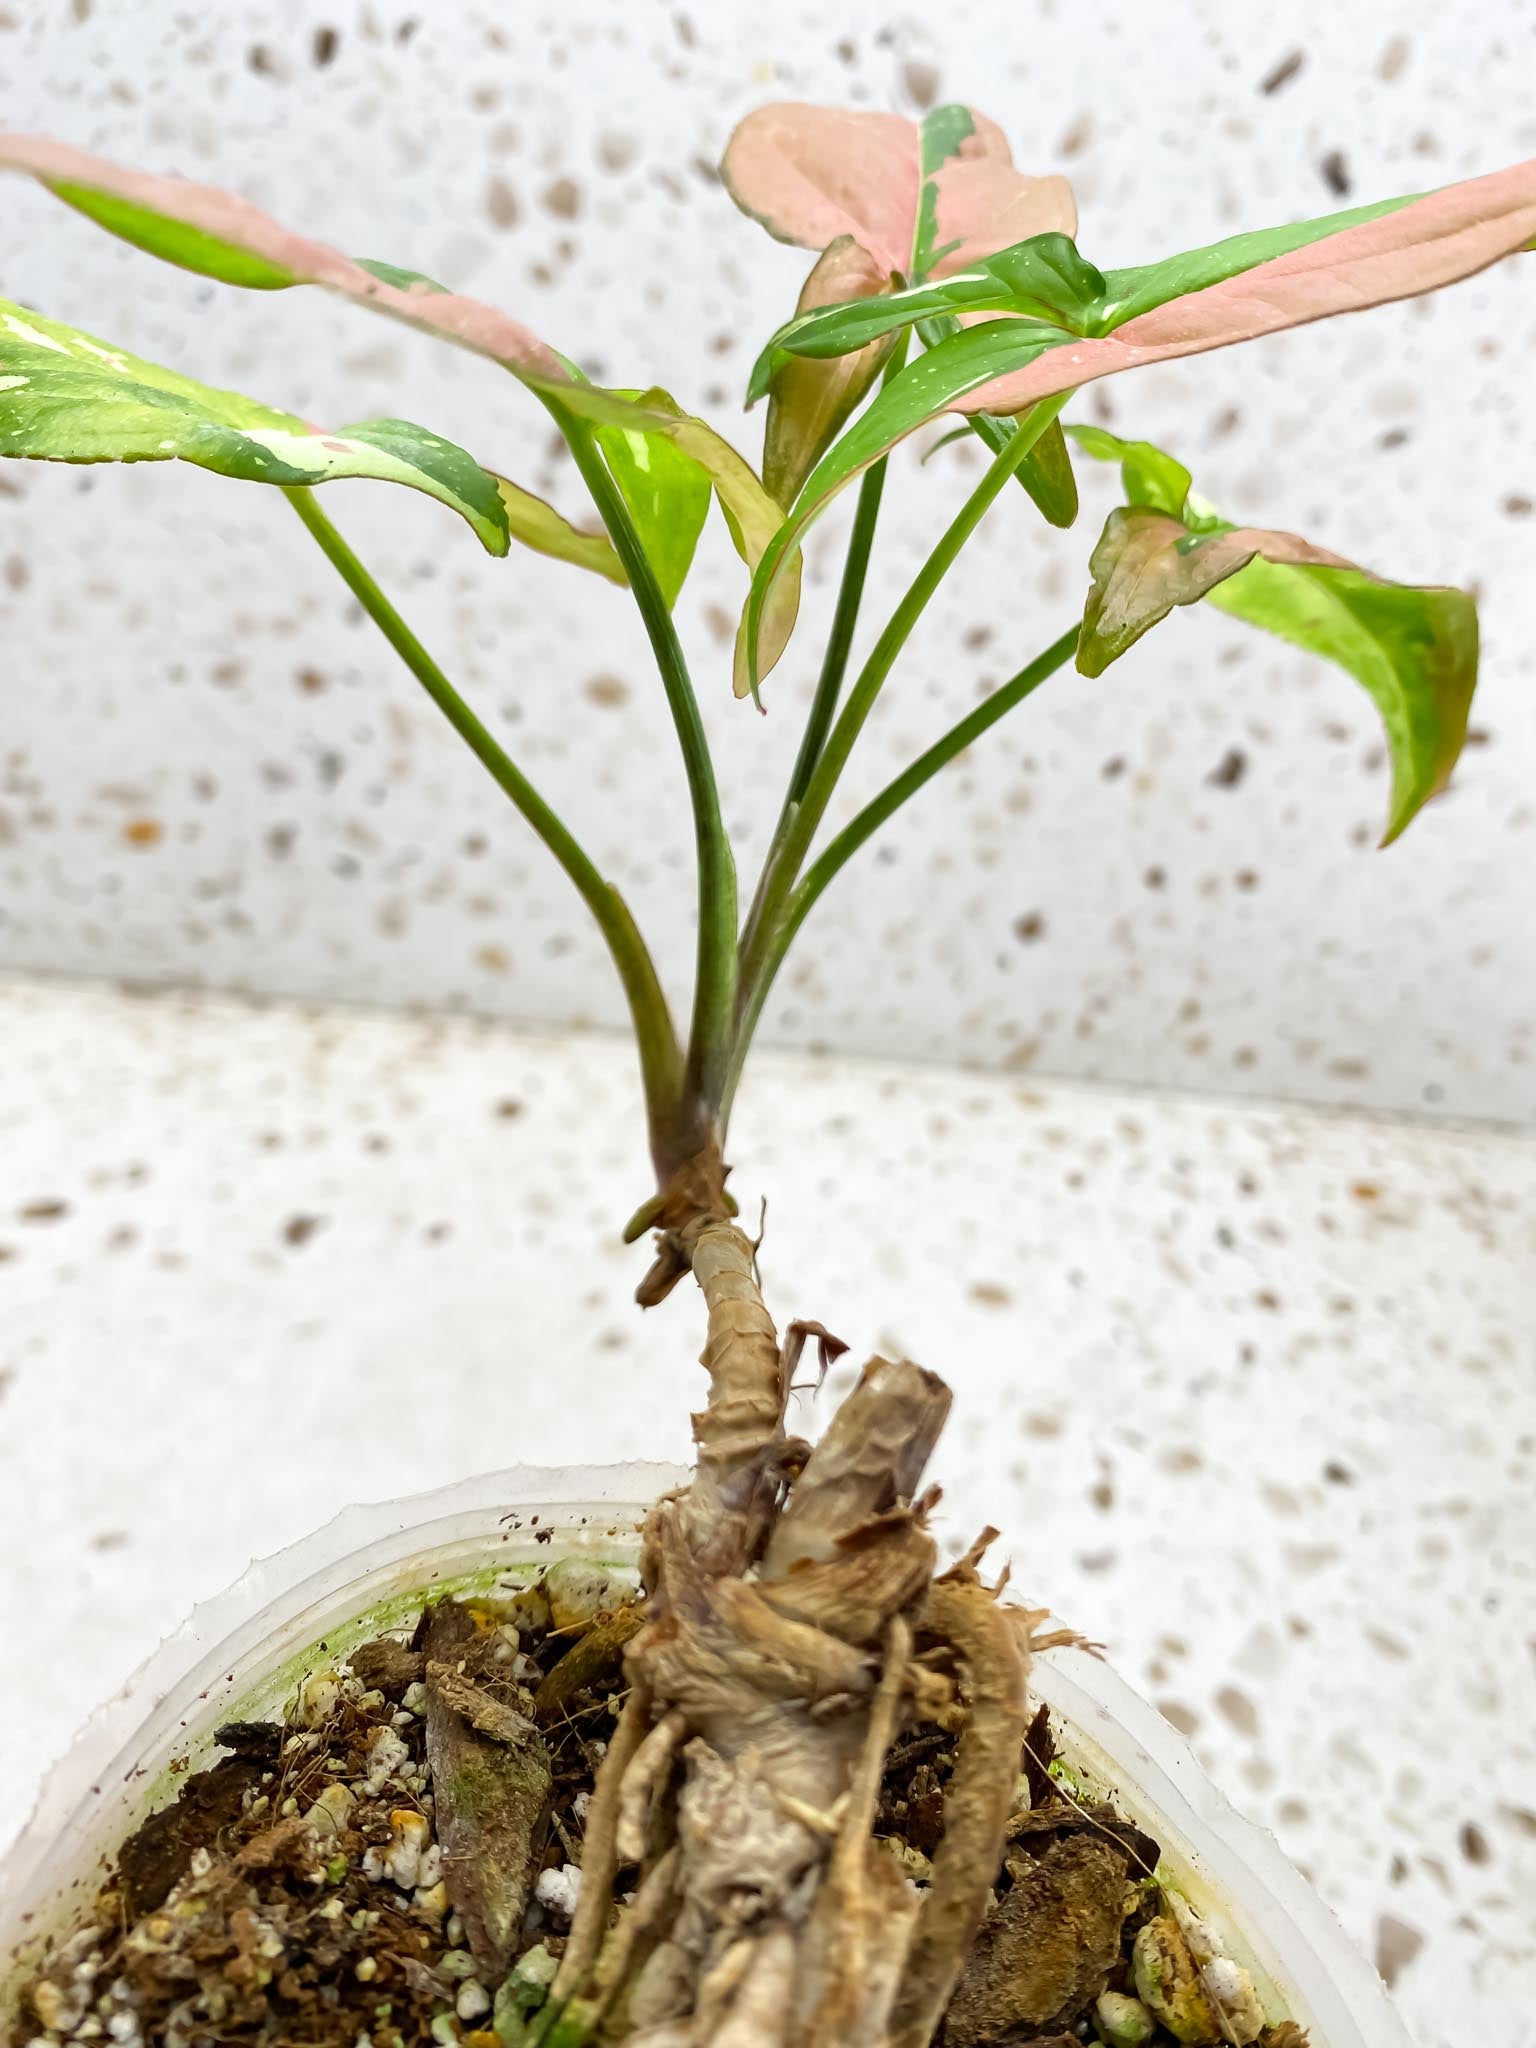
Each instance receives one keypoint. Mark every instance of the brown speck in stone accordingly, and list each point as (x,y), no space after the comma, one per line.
(990,1293)
(322,47)
(1177,1715)
(300,1229)
(501,202)
(846,50)
(609,691)
(1396,1946)
(280,839)
(1155,878)
(7,1251)
(1237,1708)
(1478,736)
(143,832)
(616,152)
(17,574)
(1390,64)
(260,59)
(974,638)
(1267,1298)
(921,81)
(405,29)
(1029,927)
(1334,171)
(110,1539)
(1474,1843)
(1337,1474)
(46,1209)
(1519,506)
(1113,768)
(1246,879)
(563,198)
(311,681)
(1229,770)
(493,959)
(1077,137)
(1520,1818)
(508,1108)
(1282,73)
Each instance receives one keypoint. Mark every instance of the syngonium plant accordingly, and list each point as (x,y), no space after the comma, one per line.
(795,1620)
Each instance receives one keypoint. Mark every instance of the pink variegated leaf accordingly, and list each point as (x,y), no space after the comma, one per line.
(220,235)
(917,196)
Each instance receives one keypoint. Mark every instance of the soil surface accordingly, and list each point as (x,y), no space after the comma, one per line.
(396,1863)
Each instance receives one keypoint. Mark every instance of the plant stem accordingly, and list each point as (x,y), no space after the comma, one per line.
(840,850)
(882,658)
(834,667)
(714,997)
(661,1062)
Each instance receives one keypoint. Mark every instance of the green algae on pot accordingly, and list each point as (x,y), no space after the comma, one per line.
(797,1635)
(370,1570)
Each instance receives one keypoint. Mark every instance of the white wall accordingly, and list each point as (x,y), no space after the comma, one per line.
(175,651)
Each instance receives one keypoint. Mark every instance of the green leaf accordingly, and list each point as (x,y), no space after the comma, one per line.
(540,527)
(1145,286)
(1046,471)
(752,518)
(1413,649)
(67,397)
(1148,475)
(668,497)
(1044,279)
(173,241)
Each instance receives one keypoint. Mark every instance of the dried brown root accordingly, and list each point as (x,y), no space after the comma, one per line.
(775,1670)
(978,1803)
(599,1857)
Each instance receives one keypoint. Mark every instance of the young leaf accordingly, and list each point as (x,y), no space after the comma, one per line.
(1004,366)
(1046,471)
(1414,650)
(810,174)
(809,401)
(67,397)
(668,497)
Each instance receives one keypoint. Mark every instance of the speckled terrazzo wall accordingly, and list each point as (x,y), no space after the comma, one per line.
(209,772)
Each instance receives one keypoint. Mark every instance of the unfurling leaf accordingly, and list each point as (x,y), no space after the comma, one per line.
(1414,650)
(1338,265)
(925,197)
(809,401)
(67,397)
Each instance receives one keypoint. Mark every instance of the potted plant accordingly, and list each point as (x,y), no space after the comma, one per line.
(799,1791)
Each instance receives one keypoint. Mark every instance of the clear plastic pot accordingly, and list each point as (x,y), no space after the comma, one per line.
(240,1655)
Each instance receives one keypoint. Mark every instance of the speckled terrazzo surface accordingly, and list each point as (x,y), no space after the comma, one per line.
(1251,1390)
(210,772)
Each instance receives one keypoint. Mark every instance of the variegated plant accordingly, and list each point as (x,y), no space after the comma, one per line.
(945,281)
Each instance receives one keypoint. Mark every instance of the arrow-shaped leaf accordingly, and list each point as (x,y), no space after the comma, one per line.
(67,397)
(1413,649)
